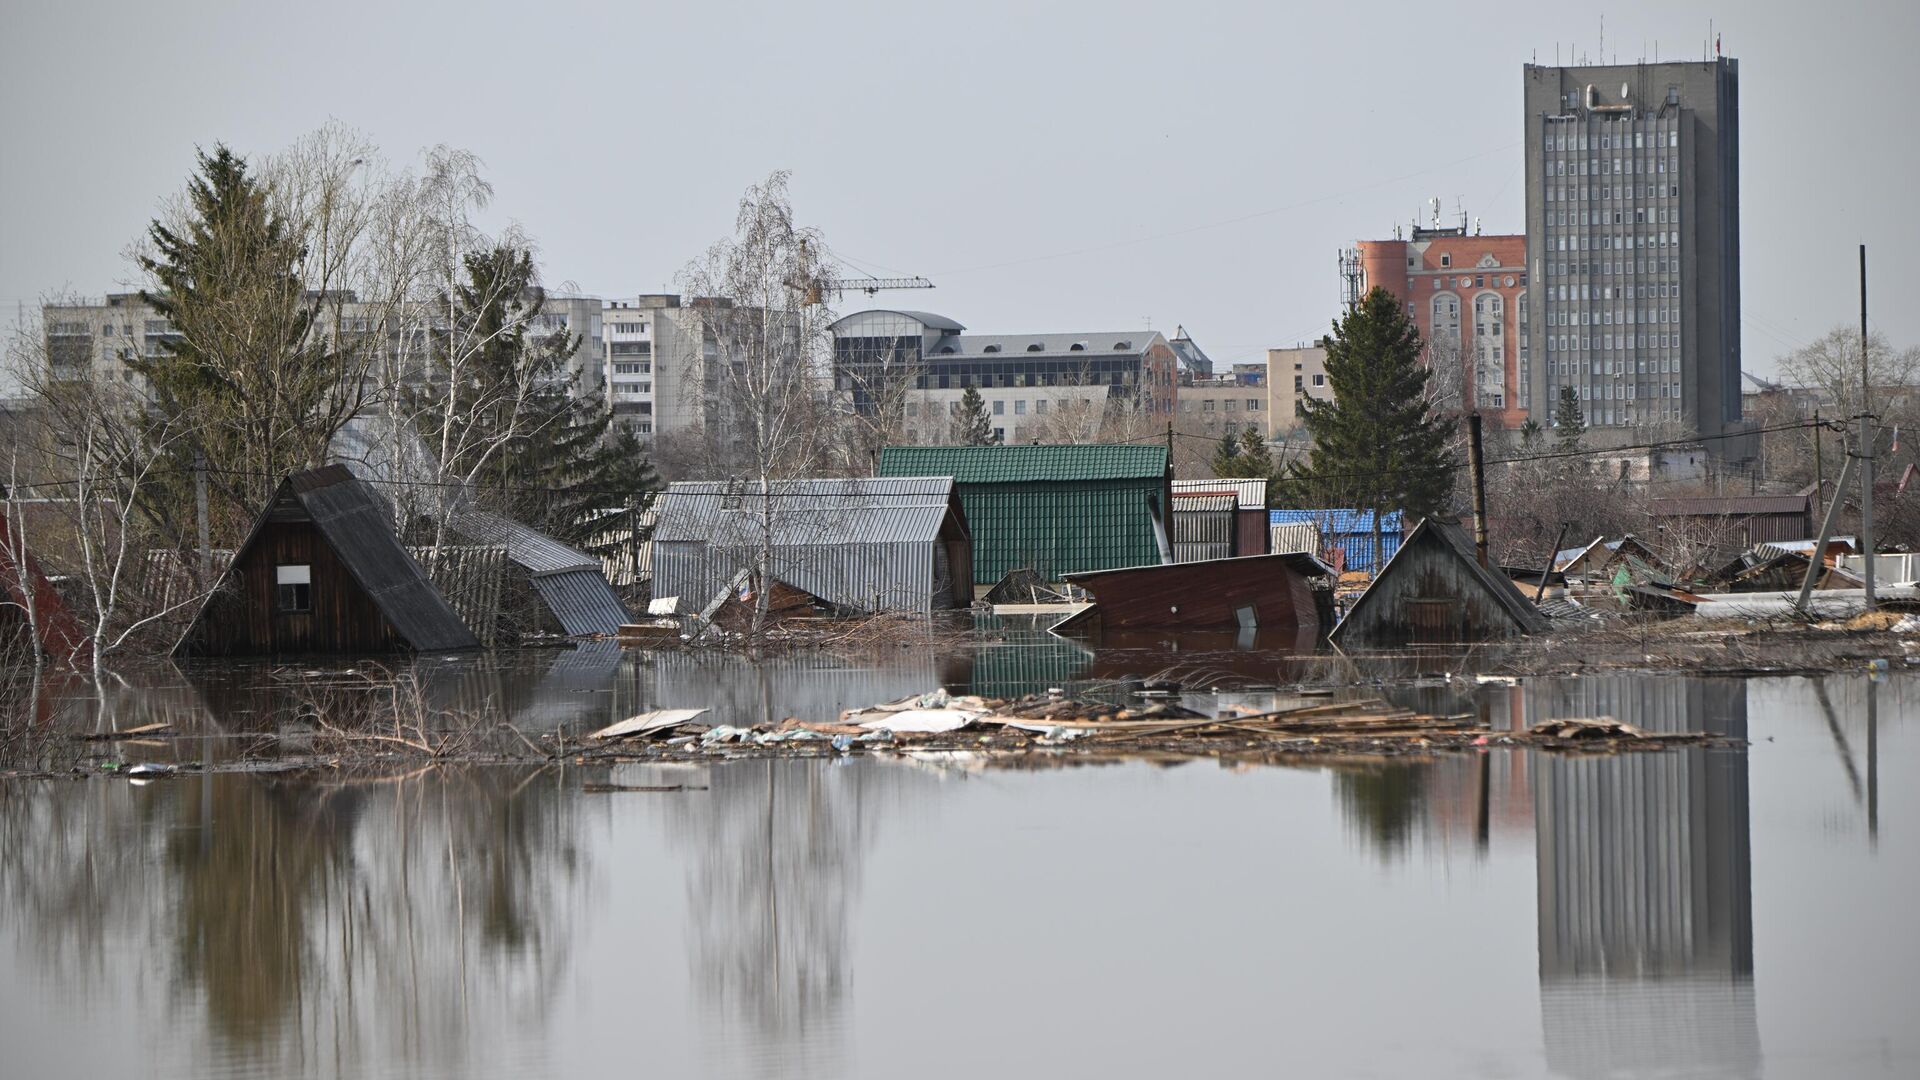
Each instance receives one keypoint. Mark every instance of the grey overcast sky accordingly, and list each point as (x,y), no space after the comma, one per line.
(1051,166)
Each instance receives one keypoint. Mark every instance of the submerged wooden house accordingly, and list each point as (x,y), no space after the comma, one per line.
(861,545)
(1245,593)
(1053,509)
(322,572)
(1433,592)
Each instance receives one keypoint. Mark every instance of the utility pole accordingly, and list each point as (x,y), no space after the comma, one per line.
(1819,472)
(200,515)
(1866,439)
(1476,461)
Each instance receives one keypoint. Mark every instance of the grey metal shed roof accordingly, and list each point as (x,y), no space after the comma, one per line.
(872,510)
(535,551)
(570,581)
(1252,494)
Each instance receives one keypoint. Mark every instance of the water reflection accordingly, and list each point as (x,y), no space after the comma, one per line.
(315,926)
(1645,875)
(478,922)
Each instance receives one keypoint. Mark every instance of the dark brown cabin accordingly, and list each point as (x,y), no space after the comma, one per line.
(1434,591)
(323,572)
(1269,592)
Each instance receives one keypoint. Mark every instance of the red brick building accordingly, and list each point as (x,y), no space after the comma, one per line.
(1468,295)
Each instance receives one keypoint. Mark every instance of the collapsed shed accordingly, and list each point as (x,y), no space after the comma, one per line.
(321,571)
(1244,593)
(556,587)
(1434,591)
(863,545)
(1053,509)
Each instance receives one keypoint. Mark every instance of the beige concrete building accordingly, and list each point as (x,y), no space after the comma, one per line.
(1293,375)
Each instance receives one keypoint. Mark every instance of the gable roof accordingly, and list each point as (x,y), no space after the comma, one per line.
(1451,537)
(355,523)
(1018,464)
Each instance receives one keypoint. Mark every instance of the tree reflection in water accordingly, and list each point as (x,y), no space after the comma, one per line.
(319,928)
(774,854)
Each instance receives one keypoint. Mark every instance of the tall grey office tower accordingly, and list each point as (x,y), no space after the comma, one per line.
(1633,247)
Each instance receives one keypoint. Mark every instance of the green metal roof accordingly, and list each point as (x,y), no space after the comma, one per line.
(1014,464)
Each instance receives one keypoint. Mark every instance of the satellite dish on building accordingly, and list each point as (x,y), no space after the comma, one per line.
(1624,89)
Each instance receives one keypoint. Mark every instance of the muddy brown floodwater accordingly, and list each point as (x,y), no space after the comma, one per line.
(1728,911)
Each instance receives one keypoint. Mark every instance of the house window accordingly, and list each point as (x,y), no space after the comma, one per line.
(293,588)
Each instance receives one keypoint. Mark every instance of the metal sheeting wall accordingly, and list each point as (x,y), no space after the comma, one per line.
(1203,528)
(1061,527)
(896,576)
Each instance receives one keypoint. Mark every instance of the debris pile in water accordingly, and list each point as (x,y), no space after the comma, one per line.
(938,721)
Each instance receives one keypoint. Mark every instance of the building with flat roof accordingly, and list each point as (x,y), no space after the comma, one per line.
(1633,243)
(1467,293)
(923,364)
(1294,375)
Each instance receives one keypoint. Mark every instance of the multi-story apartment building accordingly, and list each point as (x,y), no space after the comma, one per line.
(86,337)
(1633,243)
(1294,375)
(1468,294)
(924,363)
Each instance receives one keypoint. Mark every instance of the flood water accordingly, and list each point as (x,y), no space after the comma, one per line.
(1735,913)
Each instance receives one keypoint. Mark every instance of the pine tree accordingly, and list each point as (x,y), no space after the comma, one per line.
(1569,425)
(1376,444)
(975,426)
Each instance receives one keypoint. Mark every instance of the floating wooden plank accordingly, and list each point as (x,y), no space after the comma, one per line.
(648,723)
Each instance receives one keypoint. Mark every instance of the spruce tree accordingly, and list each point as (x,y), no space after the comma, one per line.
(1376,445)
(1225,455)
(562,469)
(1569,424)
(246,374)
(1244,457)
(975,426)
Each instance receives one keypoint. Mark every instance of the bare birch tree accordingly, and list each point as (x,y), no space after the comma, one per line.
(771,351)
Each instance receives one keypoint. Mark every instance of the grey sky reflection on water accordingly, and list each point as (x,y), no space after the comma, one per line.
(1705,912)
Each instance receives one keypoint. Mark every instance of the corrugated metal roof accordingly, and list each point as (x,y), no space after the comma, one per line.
(1337,522)
(1733,505)
(1018,464)
(534,551)
(582,601)
(1251,493)
(356,525)
(1204,502)
(851,511)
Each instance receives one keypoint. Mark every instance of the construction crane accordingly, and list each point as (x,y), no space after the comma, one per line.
(817,290)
